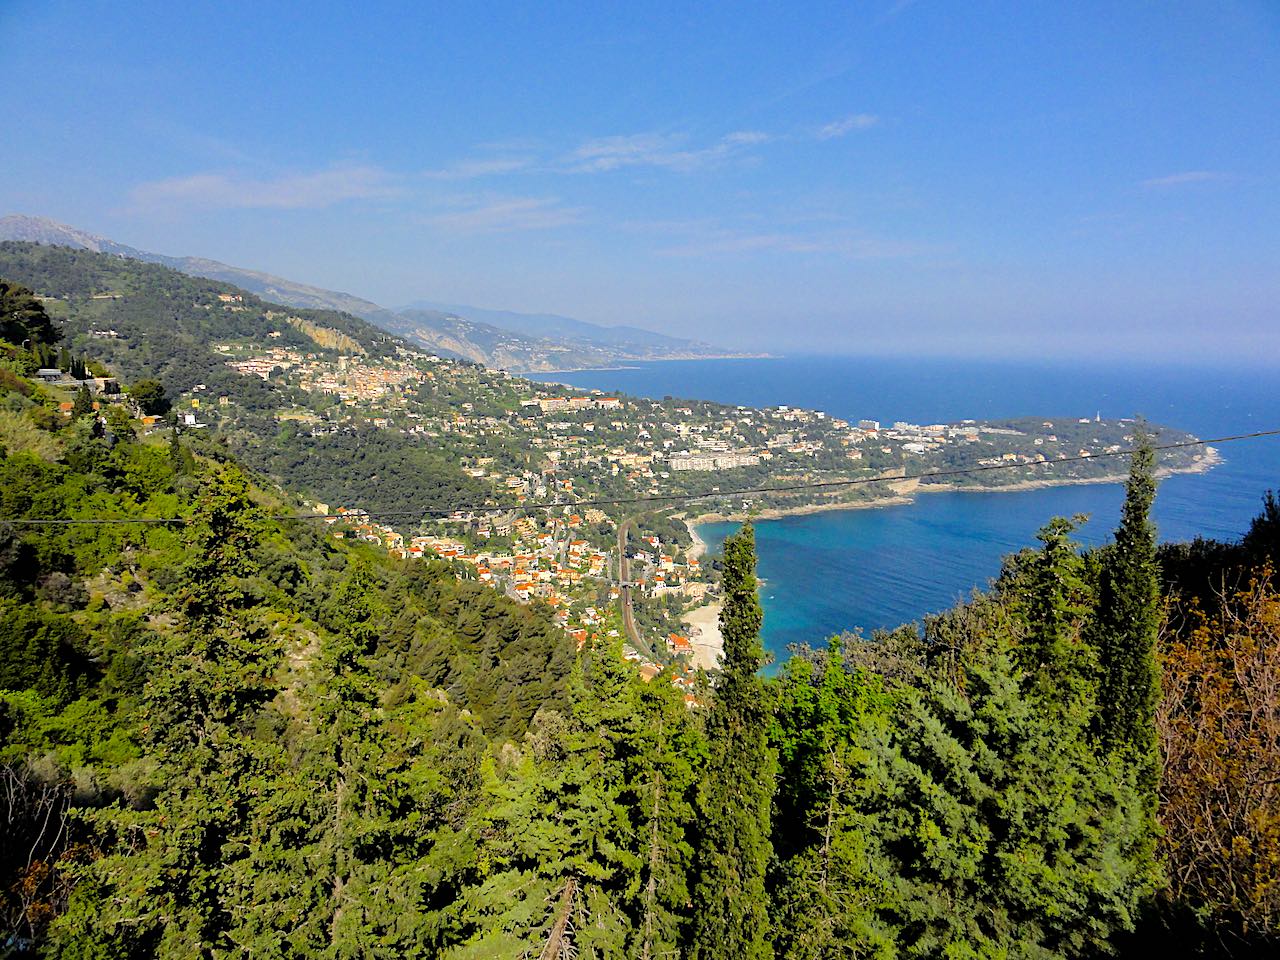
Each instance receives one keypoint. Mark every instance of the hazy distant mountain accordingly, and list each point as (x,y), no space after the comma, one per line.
(552,326)
(496,347)
(496,338)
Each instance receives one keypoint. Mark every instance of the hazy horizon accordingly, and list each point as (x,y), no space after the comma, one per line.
(902,177)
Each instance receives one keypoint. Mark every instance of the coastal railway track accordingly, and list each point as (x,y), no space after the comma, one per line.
(625,586)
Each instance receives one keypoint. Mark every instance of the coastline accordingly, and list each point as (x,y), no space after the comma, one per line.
(905,491)
(777,513)
(703,622)
(1204,464)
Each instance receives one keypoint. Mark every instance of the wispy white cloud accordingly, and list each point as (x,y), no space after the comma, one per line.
(506,214)
(481,167)
(609,153)
(746,138)
(603,154)
(1184,178)
(846,125)
(320,188)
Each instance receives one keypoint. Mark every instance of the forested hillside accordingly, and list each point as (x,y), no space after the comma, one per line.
(148,322)
(166,323)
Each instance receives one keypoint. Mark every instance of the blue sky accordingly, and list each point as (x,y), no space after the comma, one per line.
(1002,179)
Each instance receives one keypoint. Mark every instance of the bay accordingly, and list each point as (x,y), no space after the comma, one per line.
(863,569)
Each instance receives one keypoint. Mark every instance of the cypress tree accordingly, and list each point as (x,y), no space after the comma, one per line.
(83,403)
(177,456)
(1127,625)
(730,918)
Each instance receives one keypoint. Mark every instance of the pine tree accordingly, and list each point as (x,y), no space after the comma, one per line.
(1127,628)
(1261,545)
(664,778)
(826,897)
(733,850)
(996,827)
(348,715)
(1049,590)
(23,317)
(561,855)
(181,875)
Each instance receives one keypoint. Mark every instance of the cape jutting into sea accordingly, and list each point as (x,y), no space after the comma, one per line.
(847,569)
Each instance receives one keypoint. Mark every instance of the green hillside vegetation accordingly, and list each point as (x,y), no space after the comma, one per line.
(149,323)
(167,323)
(161,680)
(336,409)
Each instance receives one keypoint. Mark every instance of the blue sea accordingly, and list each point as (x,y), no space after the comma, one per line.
(862,569)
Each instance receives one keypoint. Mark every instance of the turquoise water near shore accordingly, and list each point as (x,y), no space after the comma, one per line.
(862,569)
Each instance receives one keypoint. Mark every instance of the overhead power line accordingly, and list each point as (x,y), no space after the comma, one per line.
(660,498)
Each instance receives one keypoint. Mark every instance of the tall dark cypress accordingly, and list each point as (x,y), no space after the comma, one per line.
(1128,621)
(730,906)
(83,403)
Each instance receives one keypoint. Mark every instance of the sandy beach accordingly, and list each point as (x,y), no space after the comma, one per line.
(777,513)
(704,635)
(699,546)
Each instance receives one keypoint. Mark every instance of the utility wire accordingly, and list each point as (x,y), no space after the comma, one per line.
(659,498)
